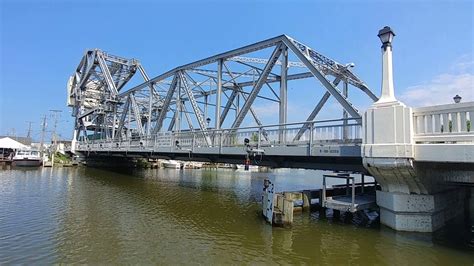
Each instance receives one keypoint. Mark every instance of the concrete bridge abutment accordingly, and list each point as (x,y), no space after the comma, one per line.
(414,196)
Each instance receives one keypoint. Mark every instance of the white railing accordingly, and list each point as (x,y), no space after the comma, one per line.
(444,123)
(340,131)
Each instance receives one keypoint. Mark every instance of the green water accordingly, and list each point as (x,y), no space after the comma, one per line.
(80,215)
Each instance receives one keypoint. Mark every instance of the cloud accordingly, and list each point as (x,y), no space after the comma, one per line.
(442,88)
(267,110)
(269,113)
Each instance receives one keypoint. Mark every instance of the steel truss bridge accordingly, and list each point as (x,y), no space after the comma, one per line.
(169,115)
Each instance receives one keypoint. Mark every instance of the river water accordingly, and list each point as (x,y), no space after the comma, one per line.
(167,216)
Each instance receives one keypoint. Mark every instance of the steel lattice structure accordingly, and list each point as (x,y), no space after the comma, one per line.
(234,79)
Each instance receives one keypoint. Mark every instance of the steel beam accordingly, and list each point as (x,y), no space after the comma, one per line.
(315,111)
(122,119)
(166,105)
(261,80)
(188,118)
(304,57)
(345,129)
(137,114)
(230,101)
(218,94)
(283,107)
(108,77)
(212,59)
(194,105)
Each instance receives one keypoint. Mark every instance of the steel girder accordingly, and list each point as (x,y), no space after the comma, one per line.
(197,111)
(256,89)
(96,88)
(166,105)
(93,93)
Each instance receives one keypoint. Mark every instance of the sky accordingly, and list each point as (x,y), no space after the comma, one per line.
(42,42)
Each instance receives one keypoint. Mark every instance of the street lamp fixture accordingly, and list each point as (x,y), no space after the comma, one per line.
(457,98)
(208,120)
(386,36)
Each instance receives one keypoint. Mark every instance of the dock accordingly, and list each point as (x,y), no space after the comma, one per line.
(279,208)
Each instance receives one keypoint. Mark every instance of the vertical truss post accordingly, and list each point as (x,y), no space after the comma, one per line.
(114,122)
(283,94)
(205,106)
(177,122)
(129,116)
(237,105)
(345,115)
(218,94)
(150,106)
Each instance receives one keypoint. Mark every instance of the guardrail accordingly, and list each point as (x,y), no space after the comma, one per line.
(444,123)
(337,131)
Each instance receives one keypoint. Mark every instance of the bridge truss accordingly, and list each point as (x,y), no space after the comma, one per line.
(182,100)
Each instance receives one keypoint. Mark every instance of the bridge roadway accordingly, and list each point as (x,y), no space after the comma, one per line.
(325,145)
(333,145)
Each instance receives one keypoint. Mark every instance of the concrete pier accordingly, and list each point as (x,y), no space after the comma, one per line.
(414,194)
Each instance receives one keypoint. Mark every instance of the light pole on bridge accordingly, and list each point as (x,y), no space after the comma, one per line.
(388,94)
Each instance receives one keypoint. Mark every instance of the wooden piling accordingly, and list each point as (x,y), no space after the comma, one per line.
(287,209)
(306,200)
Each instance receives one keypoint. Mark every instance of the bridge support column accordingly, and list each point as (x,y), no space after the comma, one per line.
(419,212)
(413,196)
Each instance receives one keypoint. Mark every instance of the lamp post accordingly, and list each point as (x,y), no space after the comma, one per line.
(386,37)
(457,98)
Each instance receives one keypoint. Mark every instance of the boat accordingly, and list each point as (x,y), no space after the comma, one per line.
(27,158)
(241,167)
(193,165)
(171,164)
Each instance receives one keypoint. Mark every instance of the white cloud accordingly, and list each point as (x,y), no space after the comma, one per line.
(442,88)
(267,110)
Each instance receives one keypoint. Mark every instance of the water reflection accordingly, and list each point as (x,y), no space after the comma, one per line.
(167,216)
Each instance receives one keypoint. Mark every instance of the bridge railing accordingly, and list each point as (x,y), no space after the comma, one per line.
(444,123)
(338,131)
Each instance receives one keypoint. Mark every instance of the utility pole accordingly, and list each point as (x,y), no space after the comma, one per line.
(13,133)
(54,137)
(55,114)
(43,131)
(28,135)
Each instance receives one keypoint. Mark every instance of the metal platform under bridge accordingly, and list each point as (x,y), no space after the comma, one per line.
(351,202)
